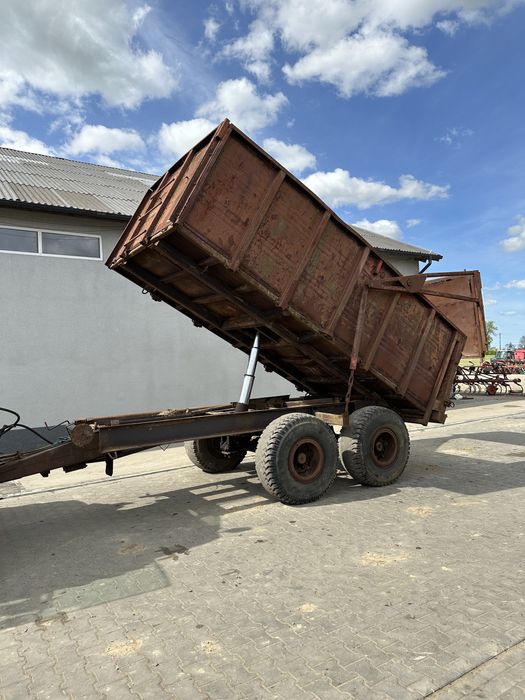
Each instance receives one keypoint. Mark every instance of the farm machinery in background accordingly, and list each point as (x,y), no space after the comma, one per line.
(509,360)
(498,376)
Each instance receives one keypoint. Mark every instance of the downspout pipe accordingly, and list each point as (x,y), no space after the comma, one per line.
(429,263)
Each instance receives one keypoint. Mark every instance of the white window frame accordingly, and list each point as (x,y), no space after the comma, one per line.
(40,231)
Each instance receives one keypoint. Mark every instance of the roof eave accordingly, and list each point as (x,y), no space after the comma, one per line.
(410,254)
(16,204)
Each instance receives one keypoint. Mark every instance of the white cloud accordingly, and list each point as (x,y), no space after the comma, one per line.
(177,138)
(385,227)
(379,63)
(357,46)
(292,155)
(340,188)
(236,99)
(516,284)
(454,136)
(256,45)
(239,101)
(260,69)
(413,222)
(211,28)
(139,15)
(303,23)
(71,50)
(489,302)
(99,139)
(254,49)
(448,26)
(509,313)
(515,237)
(13,138)
(14,92)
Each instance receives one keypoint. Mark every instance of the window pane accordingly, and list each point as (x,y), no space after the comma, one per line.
(64,244)
(18,240)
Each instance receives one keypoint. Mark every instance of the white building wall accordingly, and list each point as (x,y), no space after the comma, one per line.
(405,266)
(79,340)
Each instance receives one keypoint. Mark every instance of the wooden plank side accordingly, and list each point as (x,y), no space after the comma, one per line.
(385,320)
(443,369)
(278,246)
(435,349)
(294,281)
(399,338)
(230,198)
(325,277)
(418,348)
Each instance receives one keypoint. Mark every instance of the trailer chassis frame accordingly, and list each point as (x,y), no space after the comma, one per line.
(106,438)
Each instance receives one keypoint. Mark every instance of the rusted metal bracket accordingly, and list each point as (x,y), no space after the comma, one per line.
(415,284)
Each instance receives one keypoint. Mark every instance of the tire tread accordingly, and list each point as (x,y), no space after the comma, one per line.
(267,449)
(356,466)
(199,454)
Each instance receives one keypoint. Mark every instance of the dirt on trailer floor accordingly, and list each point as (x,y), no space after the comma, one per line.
(175,583)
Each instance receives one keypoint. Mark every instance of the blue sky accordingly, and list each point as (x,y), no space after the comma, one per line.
(406,116)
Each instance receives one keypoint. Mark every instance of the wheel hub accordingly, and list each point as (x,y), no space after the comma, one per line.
(306,460)
(384,447)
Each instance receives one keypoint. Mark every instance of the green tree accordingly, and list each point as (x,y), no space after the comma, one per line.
(490,329)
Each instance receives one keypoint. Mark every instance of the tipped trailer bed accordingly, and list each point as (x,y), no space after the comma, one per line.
(231,239)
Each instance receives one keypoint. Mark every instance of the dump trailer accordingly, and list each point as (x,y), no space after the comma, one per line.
(235,242)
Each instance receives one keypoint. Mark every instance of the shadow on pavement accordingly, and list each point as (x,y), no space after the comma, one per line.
(66,554)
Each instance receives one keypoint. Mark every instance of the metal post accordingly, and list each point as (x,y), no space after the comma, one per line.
(249,376)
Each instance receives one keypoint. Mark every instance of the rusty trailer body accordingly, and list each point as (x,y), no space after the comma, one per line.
(233,240)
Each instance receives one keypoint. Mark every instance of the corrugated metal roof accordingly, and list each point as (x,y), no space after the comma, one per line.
(31,178)
(392,245)
(47,181)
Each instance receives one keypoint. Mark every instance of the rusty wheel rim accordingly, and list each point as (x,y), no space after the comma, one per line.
(306,460)
(384,447)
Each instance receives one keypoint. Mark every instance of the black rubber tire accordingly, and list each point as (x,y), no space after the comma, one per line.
(206,454)
(291,437)
(369,427)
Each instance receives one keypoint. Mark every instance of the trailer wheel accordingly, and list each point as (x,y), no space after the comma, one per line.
(296,458)
(209,454)
(375,447)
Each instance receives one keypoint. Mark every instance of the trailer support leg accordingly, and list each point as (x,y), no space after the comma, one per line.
(249,377)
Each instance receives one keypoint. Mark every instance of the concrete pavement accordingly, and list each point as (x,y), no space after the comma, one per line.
(167,582)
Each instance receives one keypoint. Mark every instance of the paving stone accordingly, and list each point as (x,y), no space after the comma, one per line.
(366,670)
(368,593)
(324,690)
(336,674)
(14,691)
